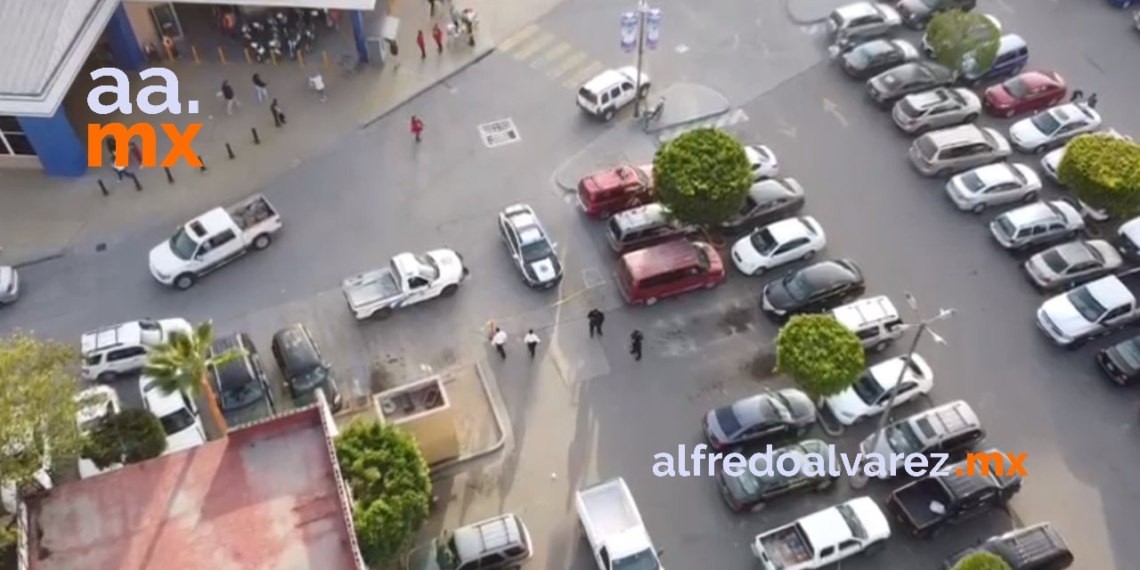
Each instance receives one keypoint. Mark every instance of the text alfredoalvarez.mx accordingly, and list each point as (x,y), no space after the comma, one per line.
(121,91)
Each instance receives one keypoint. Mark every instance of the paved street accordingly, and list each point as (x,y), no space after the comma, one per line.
(584,411)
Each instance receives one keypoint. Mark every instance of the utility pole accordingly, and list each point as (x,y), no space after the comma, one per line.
(859,480)
(642,10)
(646,23)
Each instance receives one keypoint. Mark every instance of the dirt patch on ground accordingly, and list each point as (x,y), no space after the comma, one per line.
(762,365)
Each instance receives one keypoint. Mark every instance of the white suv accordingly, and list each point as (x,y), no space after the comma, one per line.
(177,413)
(120,349)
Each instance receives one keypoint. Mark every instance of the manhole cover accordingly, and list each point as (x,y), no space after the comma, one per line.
(499,133)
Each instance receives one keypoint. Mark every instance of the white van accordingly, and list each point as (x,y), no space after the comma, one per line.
(610,91)
(874,320)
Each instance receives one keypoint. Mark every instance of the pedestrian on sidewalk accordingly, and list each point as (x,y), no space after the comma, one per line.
(230,97)
(260,88)
(318,84)
(171,49)
(1092,101)
(432,4)
(109,142)
(635,339)
(124,172)
(437,35)
(1077,95)
(136,152)
(596,319)
(417,127)
(278,116)
(420,42)
(531,341)
(499,341)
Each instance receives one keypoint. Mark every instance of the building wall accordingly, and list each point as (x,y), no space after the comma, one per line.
(139,15)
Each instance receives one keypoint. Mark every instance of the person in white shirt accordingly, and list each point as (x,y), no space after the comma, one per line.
(499,341)
(318,84)
(531,341)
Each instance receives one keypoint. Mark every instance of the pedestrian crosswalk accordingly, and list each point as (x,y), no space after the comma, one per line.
(723,121)
(546,53)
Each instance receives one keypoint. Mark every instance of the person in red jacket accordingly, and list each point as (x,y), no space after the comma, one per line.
(417,127)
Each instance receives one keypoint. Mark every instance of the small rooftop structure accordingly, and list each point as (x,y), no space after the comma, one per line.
(424,410)
(267,497)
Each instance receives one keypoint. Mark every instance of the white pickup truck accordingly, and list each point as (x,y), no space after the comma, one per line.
(408,279)
(1094,309)
(613,527)
(823,538)
(213,240)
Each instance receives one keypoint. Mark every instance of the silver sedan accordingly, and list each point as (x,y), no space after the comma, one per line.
(937,108)
(992,185)
(1072,263)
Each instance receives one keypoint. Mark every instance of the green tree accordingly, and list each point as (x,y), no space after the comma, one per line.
(390,485)
(981,561)
(966,42)
(1104,172)
(820,354)
(182,364)
(702,176)
(128,437)
(37,409)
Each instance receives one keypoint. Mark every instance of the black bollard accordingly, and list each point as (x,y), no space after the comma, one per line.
(169,176)
(230,151)
(103,188)
(202,168)
(256,139)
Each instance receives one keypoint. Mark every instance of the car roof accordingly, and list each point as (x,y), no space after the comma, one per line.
(649,215)
(997,173)
(237,372)
(886,373)
(854,315)
(954,417)
(957,135)
(661,258)
(126,334)
(828,272)
(825,528)
(1038,78)
(1010,42)
(770,188)
(604,80)
(789,229)
(296,346)
(1076,252)
(1024,545)
(474,540)
(755,410)
(1030,214)
(157,401)
(857,10)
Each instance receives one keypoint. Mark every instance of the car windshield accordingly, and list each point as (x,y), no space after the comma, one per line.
(1017,88)
(1046,123)
(867,388)
(1129,350)
(644,560)
(702,259)
(241,396)
(972,182)
(1085,304)
(588,96)
(852,521)
(176,422)
(446,554)
(1054,261)
(536,250)
(866,53)
(749,483)
(908,108)
(926,147)
(431,266)
(1005,226)
(183,245)
(727,420)
(763,241)
(902,439)
(312,378)
(798,286)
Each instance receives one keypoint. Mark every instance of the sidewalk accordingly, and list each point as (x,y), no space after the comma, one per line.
(41,217)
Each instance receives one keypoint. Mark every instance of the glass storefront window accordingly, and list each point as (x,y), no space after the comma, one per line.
(12,138)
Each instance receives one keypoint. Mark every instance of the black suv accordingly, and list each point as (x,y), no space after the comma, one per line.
(813,289)
(1039,547)
(304,367)
(240,385)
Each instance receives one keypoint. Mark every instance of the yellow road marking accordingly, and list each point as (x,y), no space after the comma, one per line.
(531,48)
(582,75)
(550,55)
(566,65)
(510,43)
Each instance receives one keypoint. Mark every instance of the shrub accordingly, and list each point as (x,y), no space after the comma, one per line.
(981,561)
(820,354)
(1104,172)
(702,176)
(128,437)
(964,41)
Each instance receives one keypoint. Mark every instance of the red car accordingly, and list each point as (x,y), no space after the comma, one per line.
(603,193)
(1030,91)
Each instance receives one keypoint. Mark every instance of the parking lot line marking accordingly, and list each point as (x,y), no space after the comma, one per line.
(531,48)
(510,43)
(549,56)
(581,75)
(566,64)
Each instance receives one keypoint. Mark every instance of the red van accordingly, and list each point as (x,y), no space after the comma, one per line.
(668,269)
(603,193)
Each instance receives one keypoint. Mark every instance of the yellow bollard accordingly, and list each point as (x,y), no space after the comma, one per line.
(301,58)
(326,56)
(273,54)
(222,54)
(248,56)
(194,52)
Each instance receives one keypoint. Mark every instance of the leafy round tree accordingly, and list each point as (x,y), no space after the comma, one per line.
(702,176)
(128,437)
(966,42)
(390,485)
(981,561)
(820,354)
(1104,172)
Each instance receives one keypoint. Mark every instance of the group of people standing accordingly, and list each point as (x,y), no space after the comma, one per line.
(595,318)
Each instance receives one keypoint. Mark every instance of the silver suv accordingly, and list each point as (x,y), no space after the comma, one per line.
(949,428)
(937,108)
(112,351)
(500,543)
(941,153)
(1037,223)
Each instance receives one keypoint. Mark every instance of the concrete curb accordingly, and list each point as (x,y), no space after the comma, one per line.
(463,67)
(689,121)
(40,257)
(500,422)
(800,20)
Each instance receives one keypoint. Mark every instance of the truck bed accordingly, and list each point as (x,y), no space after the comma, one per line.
(251,211)
(786,547)
(371,287)
(609,508)
(914,500)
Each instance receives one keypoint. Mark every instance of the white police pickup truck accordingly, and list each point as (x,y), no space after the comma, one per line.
(408,279)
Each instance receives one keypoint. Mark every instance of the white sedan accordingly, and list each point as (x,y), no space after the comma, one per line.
(782,242)
(1053,126)
(993,185)
(872,390)
(763,162)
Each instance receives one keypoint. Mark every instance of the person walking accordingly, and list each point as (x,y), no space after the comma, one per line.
(437,35)
(1092,101)
(596,318)
(417,127)
(431,3)
(317,82)
(420,42)
(231,99)
(1077,95)
(531,341)
(260,88)
(136,152)
(499,341)
(635,339)
(278,116)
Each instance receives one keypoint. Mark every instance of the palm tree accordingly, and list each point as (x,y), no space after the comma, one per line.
(182,364)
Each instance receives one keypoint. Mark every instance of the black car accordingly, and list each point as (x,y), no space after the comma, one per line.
(917,13)
(813,289)
(898,82)
(1121,361)
(305,369)
(763,416)
(768,200)
(534,253)
(876,56)
(240,384)
(750,492)
(1039,547)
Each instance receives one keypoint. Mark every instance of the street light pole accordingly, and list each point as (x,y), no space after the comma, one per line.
(642,11)
(859,480)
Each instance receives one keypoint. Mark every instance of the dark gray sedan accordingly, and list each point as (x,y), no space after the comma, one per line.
(768,200)
(895,83)
(763,416)
(1072,263)
(750,492)
(871,58)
